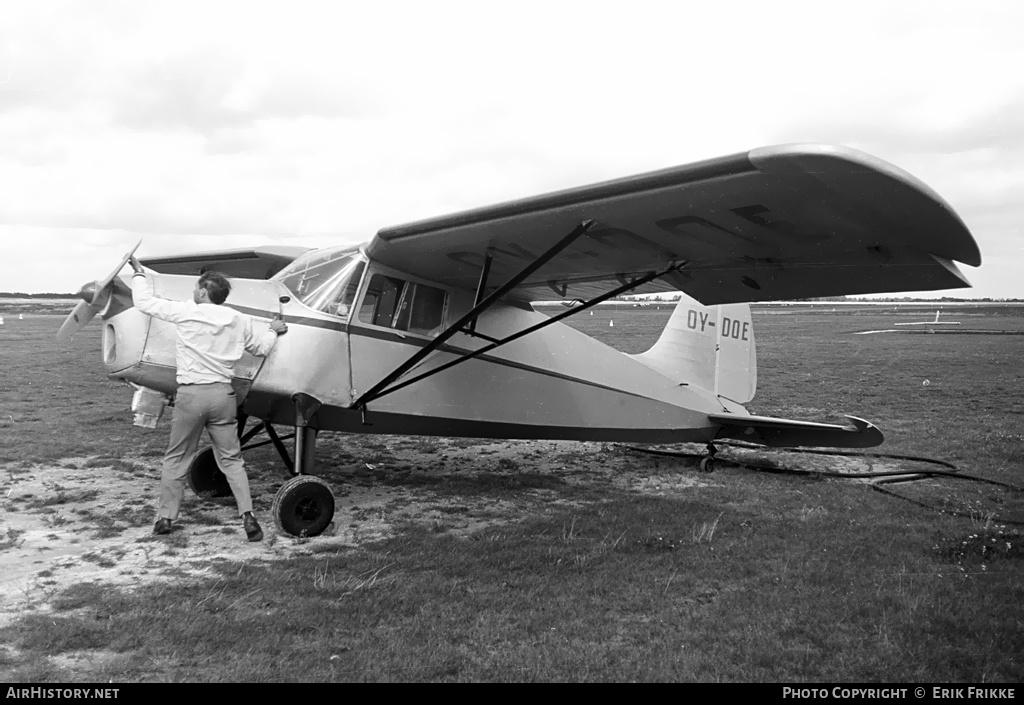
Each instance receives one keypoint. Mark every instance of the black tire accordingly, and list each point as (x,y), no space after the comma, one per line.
(304,506)
(205,477)
(707,464)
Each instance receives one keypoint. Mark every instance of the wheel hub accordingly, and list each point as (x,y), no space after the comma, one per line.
(307,509)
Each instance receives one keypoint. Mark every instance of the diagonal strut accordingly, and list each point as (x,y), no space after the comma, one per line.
(650,276)
(473,313)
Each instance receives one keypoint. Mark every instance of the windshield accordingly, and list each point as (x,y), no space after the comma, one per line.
(325,280)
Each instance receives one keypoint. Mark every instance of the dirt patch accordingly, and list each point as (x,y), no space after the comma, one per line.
(89,520)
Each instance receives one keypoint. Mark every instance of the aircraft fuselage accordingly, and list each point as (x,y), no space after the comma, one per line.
(555,383)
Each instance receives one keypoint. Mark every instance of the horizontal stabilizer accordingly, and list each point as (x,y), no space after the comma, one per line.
(785,433)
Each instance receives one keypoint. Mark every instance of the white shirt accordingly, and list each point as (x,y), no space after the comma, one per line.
(211,338)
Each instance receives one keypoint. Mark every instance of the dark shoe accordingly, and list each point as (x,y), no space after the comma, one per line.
(163,526)
(252,527)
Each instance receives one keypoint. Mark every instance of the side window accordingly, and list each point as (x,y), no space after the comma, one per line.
(422,309)
(396,303)
(381,300)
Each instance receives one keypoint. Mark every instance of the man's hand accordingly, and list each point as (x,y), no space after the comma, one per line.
(136,265)
(279,326)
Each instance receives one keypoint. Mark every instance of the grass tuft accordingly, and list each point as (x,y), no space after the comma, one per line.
(12,538)
(705,531)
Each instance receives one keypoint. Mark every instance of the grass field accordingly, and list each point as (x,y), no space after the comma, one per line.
(567,561)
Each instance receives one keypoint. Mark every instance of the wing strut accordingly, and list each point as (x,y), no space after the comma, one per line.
(474,312)
(628,286)
(482,285)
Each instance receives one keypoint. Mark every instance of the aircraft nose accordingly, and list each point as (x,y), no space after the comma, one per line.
(137,351)
(124,337)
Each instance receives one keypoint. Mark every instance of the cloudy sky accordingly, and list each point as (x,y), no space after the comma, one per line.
(213,125)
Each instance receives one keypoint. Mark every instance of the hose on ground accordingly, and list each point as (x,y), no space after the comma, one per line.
(881,477)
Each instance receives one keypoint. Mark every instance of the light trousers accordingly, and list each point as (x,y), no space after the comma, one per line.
(199,406)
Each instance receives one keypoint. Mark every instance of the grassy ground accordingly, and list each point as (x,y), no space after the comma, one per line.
(750,577)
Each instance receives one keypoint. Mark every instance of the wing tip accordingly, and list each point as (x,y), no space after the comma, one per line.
(785,158)
(811,157)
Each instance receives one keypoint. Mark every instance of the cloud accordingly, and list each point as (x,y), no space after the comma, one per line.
(203,124)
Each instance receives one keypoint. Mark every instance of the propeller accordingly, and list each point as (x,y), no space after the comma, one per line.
(95,296)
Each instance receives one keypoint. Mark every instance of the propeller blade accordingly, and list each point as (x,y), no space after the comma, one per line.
(76,320)
(103,284)
(95,296)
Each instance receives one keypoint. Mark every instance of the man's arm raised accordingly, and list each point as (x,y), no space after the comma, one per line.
(145,301)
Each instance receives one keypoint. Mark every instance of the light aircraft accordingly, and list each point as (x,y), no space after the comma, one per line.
(429,328)
(931,326)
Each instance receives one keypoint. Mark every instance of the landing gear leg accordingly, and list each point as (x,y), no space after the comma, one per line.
(304,506)
(707,463)
(305,450)
(306,407)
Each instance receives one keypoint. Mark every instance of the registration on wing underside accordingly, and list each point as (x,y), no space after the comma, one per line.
(746,233)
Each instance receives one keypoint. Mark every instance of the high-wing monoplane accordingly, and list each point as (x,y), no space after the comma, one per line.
(429,328)
(931,326)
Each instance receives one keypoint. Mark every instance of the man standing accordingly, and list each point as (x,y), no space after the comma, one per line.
(211,339)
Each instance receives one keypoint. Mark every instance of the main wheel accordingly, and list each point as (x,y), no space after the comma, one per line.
(205,477)
(707,464)
(304,506)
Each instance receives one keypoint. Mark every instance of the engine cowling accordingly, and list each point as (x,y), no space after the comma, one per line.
(140,349)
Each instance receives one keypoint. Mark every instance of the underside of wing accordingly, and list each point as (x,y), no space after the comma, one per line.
(774,223)
(251,263)
(785,433)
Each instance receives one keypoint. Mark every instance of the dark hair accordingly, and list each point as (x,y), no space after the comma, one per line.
(216,285)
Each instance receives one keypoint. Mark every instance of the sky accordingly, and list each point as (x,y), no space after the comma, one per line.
(212,125)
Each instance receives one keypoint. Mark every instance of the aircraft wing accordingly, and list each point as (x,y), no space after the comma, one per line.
(251,263)
(785,222)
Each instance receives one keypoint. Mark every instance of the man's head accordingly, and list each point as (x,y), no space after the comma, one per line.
(212,288)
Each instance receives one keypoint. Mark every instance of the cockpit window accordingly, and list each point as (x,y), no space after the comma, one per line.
(421,310)
(325,280)
(392,302)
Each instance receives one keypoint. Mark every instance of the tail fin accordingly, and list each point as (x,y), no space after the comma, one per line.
(711,347)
